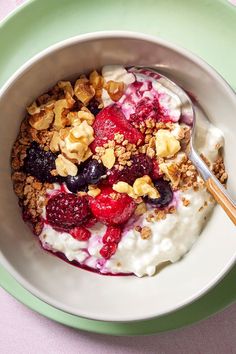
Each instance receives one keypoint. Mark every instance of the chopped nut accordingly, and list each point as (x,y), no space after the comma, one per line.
(35,109)
(76,143)
(67,88)
(97,82)
(150,152)
(65,167)
(81,194)
(59,109)
(108,159)
(93,191)
(146,233)
(115,90)
(85,114)
(76,118)
(140,209)
(166,144)
(55,142)
(42,120)
(143,186)
(171,171)
(123,187)
(84,91)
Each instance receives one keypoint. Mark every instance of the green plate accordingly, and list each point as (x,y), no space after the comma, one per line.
(206,27)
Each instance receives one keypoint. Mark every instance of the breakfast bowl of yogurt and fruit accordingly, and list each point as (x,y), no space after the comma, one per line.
(113,220)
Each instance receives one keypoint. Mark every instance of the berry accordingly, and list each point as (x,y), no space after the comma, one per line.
(39,163)
(166,194)
(141,165)
(76,183)
(110,121)
(113,235)
(66,210)
(93,171)
(146,108)
(112,208)
(156,173)
(93,106)
(108,250)
(80,233)
(92,221)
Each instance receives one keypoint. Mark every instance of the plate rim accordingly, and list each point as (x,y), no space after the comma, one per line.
(113,35)
(29,2)
(111,328)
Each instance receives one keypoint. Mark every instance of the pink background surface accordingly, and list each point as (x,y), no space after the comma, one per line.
(23,331)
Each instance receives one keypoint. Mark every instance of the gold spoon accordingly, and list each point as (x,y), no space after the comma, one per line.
(217,190)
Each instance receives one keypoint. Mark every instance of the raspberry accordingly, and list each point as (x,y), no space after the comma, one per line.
(66,210)
(108,250)
(149,108)
(156,173)
(113,235)
(112,208)
(80,233)
(110,121)
(141,165)
(146,108)
(92,221)
(39,163)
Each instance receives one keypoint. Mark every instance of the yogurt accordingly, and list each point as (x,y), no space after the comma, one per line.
(173,236)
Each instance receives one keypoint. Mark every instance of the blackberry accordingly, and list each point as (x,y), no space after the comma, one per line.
(39,163)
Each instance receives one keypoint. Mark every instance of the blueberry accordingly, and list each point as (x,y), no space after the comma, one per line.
(39,163)
(76,183)
(166,194)
(93,171)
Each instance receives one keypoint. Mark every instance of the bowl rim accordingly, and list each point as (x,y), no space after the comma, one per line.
(121,35)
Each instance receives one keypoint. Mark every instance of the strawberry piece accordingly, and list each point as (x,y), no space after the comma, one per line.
(113,235)
(110,121)
(80,233)
(108,250)
(112,208)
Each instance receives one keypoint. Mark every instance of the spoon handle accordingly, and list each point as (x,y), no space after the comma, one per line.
(216,189)
(222,198)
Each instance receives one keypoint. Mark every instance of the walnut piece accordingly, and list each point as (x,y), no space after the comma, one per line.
(143,186)
(108,158)
(42,120)
(84,91)
(65,167)
(166,144)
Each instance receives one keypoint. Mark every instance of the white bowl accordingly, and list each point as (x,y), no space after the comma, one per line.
(89,294)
